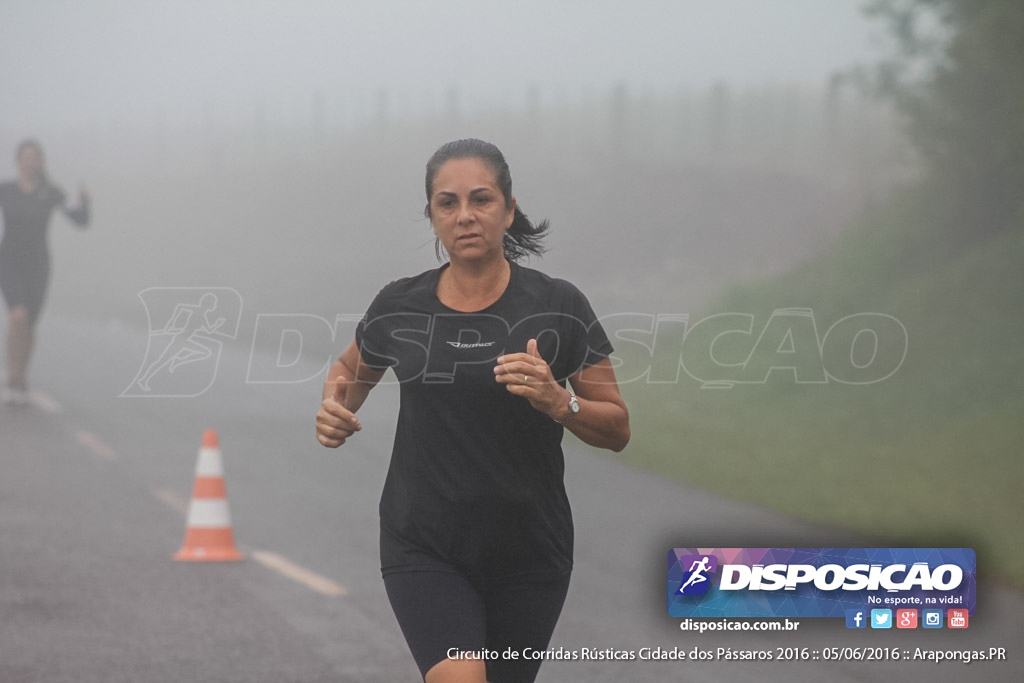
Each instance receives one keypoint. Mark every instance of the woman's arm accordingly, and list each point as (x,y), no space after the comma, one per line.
(348,383)
(603,419)
(80,214)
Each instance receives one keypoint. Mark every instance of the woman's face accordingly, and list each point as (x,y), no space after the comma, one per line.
(30,162)
(468,211)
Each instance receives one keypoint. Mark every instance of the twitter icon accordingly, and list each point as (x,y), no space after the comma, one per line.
(881,618)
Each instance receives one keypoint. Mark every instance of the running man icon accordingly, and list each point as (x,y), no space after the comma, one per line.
(188,327)
(697,575)
(700,566)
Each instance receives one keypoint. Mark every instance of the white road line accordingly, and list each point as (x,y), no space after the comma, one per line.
(172,500)
(97,447)
(293,571)
(278,563)
(44,402)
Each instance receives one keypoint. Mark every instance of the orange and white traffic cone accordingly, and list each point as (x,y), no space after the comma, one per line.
(208,535)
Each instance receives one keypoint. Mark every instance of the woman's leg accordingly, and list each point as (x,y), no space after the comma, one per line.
(20,339)
(521,618)
(24,285)
(459,631)
(457,671)
(442,618)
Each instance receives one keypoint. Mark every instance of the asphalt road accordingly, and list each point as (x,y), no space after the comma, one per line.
(93,489)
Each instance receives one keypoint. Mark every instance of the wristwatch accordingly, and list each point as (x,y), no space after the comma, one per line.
(574,407)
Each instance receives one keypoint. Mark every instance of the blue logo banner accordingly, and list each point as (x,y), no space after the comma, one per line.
(818,582)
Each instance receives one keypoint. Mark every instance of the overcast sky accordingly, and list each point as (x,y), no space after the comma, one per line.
(107,59)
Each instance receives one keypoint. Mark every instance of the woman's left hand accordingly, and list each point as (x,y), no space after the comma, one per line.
(528,375)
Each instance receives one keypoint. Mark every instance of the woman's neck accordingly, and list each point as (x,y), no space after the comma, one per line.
(473,287)
(29,184)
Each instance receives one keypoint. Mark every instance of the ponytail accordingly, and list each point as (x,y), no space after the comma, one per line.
(523,238)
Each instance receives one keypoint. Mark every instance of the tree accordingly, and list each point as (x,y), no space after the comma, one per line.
(958,75)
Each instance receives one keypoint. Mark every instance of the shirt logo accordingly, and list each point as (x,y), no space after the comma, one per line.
(475,345)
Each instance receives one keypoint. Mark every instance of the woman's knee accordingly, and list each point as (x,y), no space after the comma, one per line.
(18,315)
(457,671)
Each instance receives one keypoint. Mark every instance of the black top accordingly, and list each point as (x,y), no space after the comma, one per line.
(476,472)
(27,216)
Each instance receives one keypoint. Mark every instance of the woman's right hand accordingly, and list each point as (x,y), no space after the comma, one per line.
(334,422)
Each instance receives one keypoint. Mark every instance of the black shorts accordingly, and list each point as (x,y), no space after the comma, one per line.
(443,612)
(24,283)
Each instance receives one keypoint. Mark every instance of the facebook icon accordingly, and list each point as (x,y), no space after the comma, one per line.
(856,618)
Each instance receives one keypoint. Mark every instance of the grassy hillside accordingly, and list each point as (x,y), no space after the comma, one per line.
(930,455)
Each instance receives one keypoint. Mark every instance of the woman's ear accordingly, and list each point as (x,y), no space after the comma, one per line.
(511,213)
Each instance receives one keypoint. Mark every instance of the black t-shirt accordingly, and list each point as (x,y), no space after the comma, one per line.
(476,474)
(26,218)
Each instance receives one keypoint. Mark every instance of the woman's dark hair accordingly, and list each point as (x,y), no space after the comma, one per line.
(522,238)
(29,142)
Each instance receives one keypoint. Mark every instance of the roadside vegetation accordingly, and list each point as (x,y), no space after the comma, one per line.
(932,455)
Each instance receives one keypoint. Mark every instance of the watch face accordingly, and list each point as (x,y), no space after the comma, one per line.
(574,405)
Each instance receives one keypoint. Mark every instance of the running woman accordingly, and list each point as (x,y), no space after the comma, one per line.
(27,204)
(476,534)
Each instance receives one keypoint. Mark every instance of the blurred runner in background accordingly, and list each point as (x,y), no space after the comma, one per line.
(27,205)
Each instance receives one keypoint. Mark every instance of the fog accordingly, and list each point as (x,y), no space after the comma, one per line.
(278,148)
(128,62)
